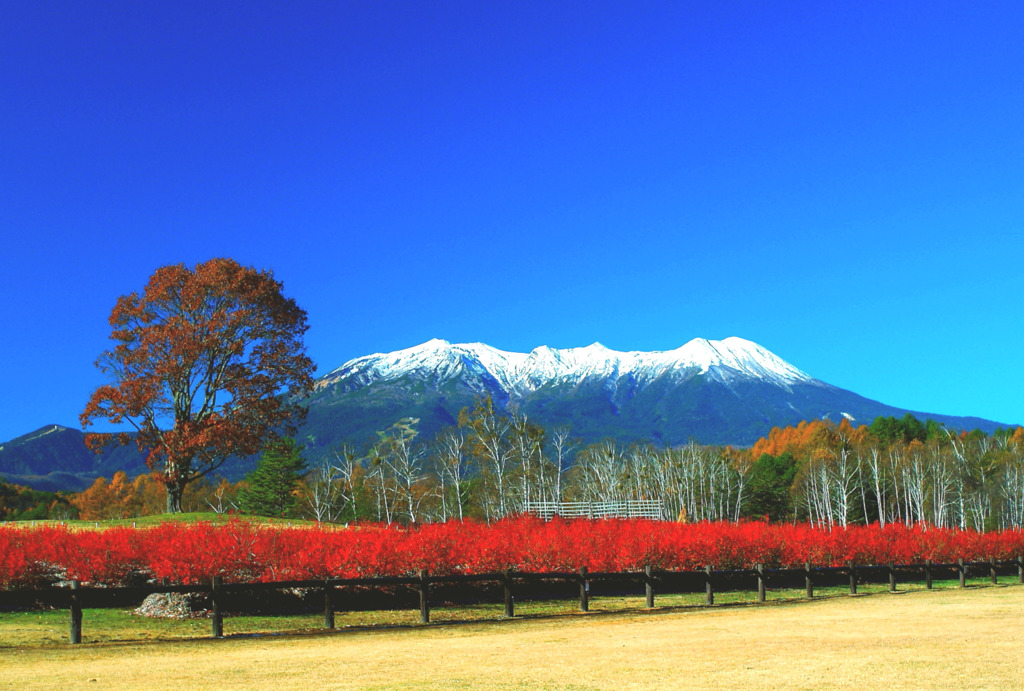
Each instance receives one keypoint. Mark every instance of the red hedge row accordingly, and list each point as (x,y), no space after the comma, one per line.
(239,551)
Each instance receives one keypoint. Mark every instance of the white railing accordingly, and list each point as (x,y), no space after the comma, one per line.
(627,508)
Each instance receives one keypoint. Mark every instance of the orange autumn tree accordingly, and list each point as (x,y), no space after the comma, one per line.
(209,363)
(106,500)
(807,437)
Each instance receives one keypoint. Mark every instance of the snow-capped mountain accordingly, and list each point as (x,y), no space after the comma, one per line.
(731,391)
(522,373)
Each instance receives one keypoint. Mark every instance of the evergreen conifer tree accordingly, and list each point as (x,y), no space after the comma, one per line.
(274,481)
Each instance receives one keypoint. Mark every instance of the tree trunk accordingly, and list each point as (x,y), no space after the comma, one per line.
(175,489)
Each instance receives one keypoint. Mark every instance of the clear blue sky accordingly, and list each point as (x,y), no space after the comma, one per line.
(842,183)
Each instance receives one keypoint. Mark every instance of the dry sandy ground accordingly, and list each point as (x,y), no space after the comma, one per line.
(931,640)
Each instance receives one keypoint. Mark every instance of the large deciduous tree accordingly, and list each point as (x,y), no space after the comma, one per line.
(209,363)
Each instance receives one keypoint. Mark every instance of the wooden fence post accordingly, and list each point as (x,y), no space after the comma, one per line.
(584,590)
(75,631)
(649,586)
(76,593)
(328,606)
(424,597)
(510,603)
(217,618)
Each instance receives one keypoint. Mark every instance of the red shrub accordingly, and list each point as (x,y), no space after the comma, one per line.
(238,551)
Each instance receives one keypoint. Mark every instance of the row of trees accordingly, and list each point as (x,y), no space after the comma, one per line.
(493,465)
(926,473)
(19,503)
(123,497)
(274,488)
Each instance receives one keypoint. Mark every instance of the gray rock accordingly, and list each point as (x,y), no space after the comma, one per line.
(175,606)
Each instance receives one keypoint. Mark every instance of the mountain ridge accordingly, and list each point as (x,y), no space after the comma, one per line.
(523,372)
(731,391)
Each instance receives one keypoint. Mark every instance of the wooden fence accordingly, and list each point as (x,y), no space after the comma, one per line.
(626,508)
(77,596)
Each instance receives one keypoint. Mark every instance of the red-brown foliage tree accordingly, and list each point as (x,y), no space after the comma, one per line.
(209,363)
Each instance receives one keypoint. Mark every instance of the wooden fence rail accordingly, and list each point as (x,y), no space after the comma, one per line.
(78,596)
(624,508)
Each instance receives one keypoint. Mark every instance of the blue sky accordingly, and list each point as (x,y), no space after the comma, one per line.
(842,183)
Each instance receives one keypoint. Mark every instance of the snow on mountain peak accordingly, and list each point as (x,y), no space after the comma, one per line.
(724,360)
(740,355)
